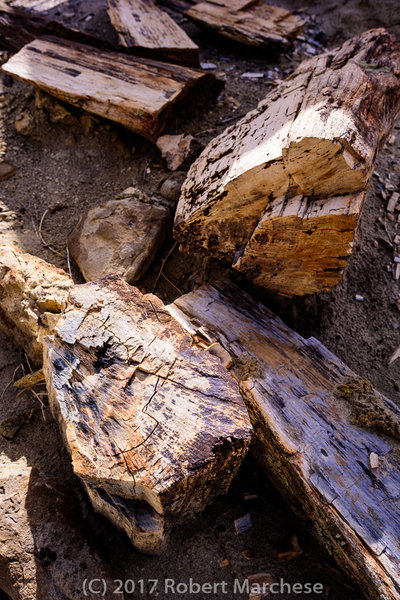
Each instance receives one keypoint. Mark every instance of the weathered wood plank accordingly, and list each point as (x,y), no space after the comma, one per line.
(250,22)
(155,426)
(291,174)
(19,27)
(33,294)
(147,29)
(140,94)
(315,426)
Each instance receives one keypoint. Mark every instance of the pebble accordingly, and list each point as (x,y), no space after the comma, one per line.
(243,524)
(359,298)
(208,66)
(373,460)
(252,76)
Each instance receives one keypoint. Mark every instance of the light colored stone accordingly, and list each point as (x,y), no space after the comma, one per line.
(155,426)
(32,295)
(121,236)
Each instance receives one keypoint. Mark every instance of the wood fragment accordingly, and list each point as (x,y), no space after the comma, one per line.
(150,31)
(253,22)
(279,194)
(393,201)
(33,293)
(315,425)
(155,426)
(143,95)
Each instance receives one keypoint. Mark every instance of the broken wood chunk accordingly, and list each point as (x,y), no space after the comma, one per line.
(303,403)
(121,236)
(279,194)
(155,426)
(33,293)
(150,31)
(179,150)
(250,22)
(143,95)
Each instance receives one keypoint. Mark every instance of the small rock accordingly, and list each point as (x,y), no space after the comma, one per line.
(392,202)
(208,66)
(243,524)
(25,124)
(121,236)
(10,427)
(359,298)
(252,76)
(179,150)
(6,170)
(54,111)
(373,460)
(171,188)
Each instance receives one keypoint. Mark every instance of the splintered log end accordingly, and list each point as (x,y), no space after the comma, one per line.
(143,95)
(302,160)
(33,293)
(156,427)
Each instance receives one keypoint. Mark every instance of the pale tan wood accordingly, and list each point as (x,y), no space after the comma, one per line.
(144,27)
(316,424)
(143,95)
(33,294)
(250,22)
(299,162)
(156,427)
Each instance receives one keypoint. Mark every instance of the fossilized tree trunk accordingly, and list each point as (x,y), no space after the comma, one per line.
(33,293)
(251,22)
(143,95)
(156,427)
(315,426)
(150,31)
(279,194)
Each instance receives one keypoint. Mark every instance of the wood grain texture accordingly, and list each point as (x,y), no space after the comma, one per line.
(33,294)
(144,27)
(250,22)
(299,162)
(315,425)
(155,426)
(140,94)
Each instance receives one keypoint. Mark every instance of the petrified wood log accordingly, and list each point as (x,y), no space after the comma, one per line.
(280,193)
(140,94)
(32,296)
(156,427)
(150,31)
(19,27)
(315,426)
(250,22)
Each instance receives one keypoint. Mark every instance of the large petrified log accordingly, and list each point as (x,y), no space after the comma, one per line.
(328,440)
(279,194)
(150,31)
(19,27)
(141,94)
(33,293)
(251,22)
(156,427)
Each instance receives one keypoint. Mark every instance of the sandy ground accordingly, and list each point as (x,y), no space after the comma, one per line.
(82,161)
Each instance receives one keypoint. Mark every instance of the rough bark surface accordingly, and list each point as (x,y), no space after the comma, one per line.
(155,426)
(291,174)
(315,426)
(147,29)
(33,293)
(250,22)
(143,95)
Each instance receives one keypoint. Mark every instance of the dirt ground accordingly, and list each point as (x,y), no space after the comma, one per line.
(68,161)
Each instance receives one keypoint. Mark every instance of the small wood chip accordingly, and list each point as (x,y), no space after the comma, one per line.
(6,170)
(396,353)
(223,562)
(394,198)
(373,460)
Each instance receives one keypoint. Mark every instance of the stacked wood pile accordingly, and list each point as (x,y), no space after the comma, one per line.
(158,405)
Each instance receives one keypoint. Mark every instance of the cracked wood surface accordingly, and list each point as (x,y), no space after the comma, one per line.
(156,427)
(144,27)
(279,194)
(143,95)
(315,426)
(250,22)
(33,293)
